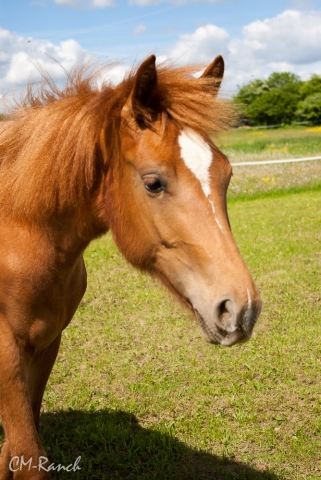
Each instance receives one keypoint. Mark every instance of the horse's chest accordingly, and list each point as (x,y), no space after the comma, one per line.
(38,296)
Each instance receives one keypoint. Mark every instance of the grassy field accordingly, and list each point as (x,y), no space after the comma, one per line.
(249,145)
(138,394)
(246,144)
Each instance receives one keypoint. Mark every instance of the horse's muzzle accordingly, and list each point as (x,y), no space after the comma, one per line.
(229,323)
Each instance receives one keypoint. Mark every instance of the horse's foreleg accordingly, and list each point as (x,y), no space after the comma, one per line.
(5,473)
(39,372)
(22,442)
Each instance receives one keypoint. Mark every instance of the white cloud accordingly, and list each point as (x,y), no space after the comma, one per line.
(20,55)
(139,29)
(206,42)
(287,42)
(292,36)
(85,3)
(116,74)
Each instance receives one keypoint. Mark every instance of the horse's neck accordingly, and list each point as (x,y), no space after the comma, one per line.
(72,233)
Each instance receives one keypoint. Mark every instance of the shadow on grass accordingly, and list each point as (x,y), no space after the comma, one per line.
(112,445)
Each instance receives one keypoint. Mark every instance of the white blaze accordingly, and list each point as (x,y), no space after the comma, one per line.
(197,156)
(248,311)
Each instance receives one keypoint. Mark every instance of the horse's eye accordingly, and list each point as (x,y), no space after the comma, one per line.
(153,185)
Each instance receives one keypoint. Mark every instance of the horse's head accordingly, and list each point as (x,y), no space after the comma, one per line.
(167,209)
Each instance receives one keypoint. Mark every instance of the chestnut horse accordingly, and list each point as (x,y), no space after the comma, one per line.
(137,159)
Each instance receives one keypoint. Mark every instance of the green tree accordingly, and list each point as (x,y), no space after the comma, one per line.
(250,92)
(277,106)
(282,80)
(310,108)
(311,86)
(273,101)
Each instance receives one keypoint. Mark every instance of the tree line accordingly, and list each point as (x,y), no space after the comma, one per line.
(281,99)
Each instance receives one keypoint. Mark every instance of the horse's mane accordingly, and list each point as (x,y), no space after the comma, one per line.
(50,153)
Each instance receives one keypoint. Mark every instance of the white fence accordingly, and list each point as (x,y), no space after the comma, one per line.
(270,162)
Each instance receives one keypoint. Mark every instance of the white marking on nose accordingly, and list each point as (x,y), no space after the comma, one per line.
(216,219)
(213,206)
(249,301)
(197,156)
(247,314)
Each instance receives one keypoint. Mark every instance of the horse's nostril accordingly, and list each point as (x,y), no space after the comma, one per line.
(225,314)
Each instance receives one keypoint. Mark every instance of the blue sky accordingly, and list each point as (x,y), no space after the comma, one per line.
(255,37)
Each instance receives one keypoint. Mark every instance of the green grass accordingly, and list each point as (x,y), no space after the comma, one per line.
(249,145)
(246,144)
(138,394)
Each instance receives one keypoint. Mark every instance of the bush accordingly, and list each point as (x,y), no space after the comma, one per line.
(311,86)
(281,99)
(274,107)
(310,108)
(250,92)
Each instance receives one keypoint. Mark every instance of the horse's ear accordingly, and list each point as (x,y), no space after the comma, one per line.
(143,91)
(215,70)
